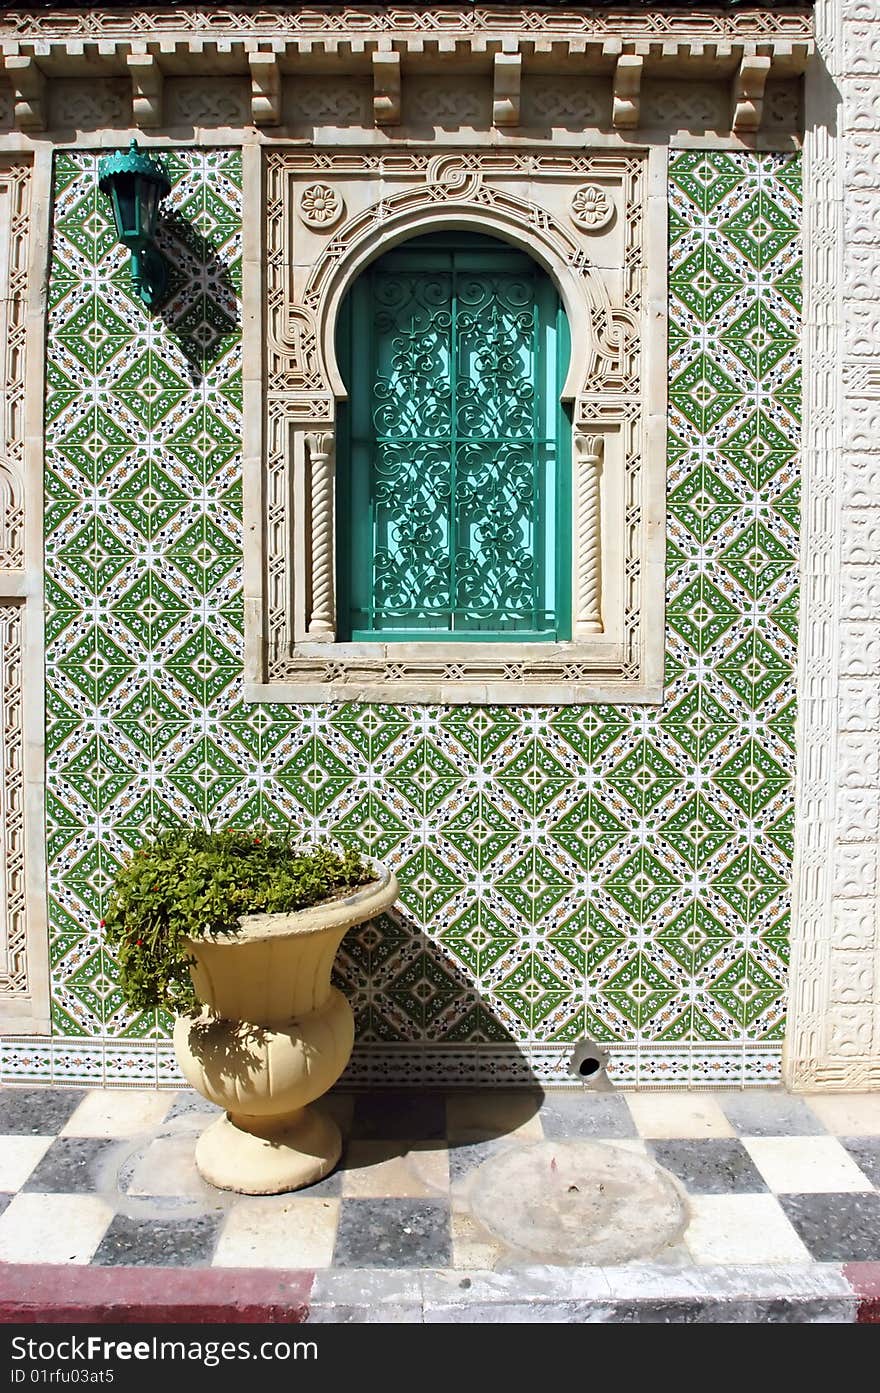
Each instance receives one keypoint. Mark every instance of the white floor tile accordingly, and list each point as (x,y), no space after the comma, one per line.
(18,1156)
(678,1115)
(741,1229)
(278,1232)
(848,1114)
(53,1228)
(805,1165)
(118,1112)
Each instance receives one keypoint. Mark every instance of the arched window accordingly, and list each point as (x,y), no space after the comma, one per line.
(453,450)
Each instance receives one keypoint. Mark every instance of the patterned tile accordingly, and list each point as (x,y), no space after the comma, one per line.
(279,1232)
(742,1229)
(836,1227)
(71,1164)
(130,1242)
(392,1233)
(613,872)
(763,1115)
(806,1165)
(398,1204)
(38,1228)
(38,1111)
(718,1166)
(586,1115)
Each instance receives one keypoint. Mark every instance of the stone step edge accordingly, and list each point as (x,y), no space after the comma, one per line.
(75,1294)
(49,1293)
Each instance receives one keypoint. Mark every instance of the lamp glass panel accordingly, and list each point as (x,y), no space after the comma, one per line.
(125,206)
(149,206)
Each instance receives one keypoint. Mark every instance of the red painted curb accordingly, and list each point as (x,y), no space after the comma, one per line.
(152,1295)
(864,1278)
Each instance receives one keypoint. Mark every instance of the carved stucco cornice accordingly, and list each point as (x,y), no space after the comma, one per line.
(364,22)
(206,40)
(146,46)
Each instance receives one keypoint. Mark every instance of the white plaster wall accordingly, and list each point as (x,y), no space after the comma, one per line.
(834,1023)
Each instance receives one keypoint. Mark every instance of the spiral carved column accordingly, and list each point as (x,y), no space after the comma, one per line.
(322,611)
(588,463)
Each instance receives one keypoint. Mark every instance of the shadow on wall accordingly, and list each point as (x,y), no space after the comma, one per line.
(406,989)
(201,309)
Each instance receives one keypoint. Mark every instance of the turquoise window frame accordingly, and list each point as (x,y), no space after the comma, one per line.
(450,254)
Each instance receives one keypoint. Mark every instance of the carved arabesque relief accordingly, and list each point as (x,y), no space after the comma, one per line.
(18,995)
(89,106)
(833,1037)
(207,101)
(14,189)
(389,197)
(13,902)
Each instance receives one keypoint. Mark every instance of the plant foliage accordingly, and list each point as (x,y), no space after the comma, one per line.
(189,883)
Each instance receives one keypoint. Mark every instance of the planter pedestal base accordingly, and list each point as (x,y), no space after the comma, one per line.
(256,1156)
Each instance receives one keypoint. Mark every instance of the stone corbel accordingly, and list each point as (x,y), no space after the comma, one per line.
(386,88)
(748,92)
(506,89)
(588,454)
(265,89)
(29,91)
(146,89)
(627,90)
(322,490)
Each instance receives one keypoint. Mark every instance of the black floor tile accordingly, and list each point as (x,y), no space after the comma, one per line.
(158,1242)
(837,1228)
(399,1116)
(5,1200)
(586,1115)
(37,1111)
(72,1164)
(770,1115)
(865,1151)
(714,1166)
(465,1156)
(393,1233)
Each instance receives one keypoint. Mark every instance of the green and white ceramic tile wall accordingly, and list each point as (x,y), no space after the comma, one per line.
(620,873)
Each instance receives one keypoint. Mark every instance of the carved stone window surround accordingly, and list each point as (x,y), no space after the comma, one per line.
(612,282)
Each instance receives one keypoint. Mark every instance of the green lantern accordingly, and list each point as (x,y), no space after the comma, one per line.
(135,185)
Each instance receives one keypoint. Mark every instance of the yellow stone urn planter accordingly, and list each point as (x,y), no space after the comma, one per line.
(272,1037)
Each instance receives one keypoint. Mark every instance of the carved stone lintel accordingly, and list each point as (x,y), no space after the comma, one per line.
(589,450)
(506,89)
(627,90)
(386,88)
(265,89)
(748,92)
(322,485)
(146,89)
(29,88)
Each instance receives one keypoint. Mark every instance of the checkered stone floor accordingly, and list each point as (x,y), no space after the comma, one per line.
(107,1178)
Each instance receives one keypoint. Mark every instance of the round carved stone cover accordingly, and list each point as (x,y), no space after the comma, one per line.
(320,207)
(591,208)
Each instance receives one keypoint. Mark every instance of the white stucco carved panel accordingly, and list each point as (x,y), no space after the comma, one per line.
(23,941)
(834,1032)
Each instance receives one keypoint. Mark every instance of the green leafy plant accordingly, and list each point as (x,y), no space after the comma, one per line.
(191,883)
